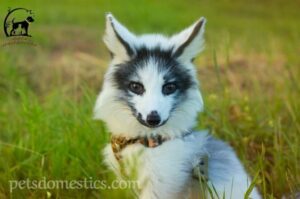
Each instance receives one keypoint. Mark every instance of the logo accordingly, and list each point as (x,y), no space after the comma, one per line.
(17,25)
(17,22)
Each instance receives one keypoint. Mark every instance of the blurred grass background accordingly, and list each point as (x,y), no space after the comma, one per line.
(249,77)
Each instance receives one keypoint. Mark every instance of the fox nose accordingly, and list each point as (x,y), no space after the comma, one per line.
(153,119)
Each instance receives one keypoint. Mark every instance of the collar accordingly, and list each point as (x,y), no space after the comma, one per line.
(118,143)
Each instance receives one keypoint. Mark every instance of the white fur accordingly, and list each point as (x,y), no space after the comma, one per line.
(153,99)
(165,171)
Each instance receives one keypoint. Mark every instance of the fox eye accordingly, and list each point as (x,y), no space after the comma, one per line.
(169,88)
(136,88)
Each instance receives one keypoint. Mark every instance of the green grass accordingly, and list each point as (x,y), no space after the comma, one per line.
(249,77)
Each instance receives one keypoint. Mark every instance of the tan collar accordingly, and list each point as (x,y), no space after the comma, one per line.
(118,143)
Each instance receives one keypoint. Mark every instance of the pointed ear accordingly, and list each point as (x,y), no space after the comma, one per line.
(118,39)
(190,42)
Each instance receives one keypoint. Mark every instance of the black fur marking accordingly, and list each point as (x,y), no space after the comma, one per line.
(197,28)
(111,54)
(183,79)
(165,62)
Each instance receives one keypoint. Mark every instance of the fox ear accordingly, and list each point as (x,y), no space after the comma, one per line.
(118,39)
(189,42)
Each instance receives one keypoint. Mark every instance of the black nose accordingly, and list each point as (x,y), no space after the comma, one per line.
(153,119)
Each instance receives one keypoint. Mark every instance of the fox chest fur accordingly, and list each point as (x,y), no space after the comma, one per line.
(165,171)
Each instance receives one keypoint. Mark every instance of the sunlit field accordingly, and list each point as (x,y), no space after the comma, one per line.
(249,75)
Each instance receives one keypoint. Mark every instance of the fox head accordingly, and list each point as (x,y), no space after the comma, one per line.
(151,85)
